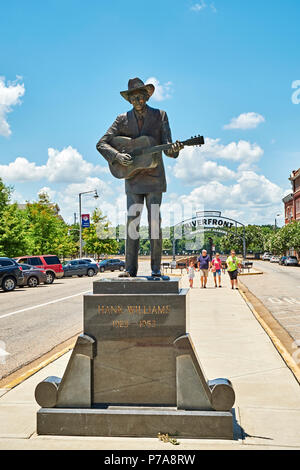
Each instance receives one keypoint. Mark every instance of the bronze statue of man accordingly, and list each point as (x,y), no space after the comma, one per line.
(147,184)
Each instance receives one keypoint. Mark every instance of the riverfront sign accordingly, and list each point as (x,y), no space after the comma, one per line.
(208,220)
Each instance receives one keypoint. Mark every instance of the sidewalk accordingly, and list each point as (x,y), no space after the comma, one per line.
(230,343)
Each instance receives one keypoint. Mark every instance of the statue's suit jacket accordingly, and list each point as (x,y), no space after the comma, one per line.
(156,125)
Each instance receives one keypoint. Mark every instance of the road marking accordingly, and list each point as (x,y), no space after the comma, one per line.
(274,300)
(289,300)
(44,305)
(3,353)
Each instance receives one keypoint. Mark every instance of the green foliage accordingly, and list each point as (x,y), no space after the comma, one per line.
(13,232)
(167,245)
(36,230)
(5,195)
(98,237)
(255,236)
(47,232)
(284,239)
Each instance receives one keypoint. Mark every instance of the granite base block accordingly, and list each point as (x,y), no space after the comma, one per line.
(135,422)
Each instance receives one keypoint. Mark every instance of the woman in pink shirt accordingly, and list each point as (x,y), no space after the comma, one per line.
(216,266)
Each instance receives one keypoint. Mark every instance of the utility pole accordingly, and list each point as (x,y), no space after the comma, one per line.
(80,221)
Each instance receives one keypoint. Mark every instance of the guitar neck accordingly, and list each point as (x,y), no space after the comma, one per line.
(156,148)
(160,148)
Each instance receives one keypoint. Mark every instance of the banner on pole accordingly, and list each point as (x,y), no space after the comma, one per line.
(85,220)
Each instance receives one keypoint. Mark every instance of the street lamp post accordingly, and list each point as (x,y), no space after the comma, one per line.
(80,221)
(276,221)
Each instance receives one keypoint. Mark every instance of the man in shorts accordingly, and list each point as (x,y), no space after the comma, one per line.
(232,267)
(204,266)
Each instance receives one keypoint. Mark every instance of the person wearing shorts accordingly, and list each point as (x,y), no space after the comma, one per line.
(216,266)
(232,268)
(191,273)
(204,266)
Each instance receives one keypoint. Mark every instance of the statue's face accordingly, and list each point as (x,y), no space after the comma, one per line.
(138,100)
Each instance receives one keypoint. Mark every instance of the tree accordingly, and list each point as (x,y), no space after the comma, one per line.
(256,238)
(284,239)
(47,231)
(5,196)
(167,245)
(97,236)
(13,232)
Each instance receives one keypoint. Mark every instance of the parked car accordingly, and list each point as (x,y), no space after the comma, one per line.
(91,260)
(50,263)
(282,260)
(267,256)
(291,261)
(33,276)
(11,274)
(111,265)
(80,267)
(274,259)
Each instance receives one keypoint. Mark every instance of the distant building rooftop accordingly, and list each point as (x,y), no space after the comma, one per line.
(288,198)
(22,207)
(294,174)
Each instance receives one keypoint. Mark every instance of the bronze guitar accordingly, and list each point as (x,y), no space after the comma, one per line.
(143,152)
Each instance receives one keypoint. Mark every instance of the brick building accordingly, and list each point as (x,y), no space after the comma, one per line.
(292,200)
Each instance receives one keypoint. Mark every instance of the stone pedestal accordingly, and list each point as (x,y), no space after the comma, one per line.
(134,371)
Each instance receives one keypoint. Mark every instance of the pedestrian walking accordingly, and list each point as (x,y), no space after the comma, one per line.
(191,273)
(204,266)
(233,265)
(216,266)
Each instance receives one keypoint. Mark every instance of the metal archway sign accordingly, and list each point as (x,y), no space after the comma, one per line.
(209,221)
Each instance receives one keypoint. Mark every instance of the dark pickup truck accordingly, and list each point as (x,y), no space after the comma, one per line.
(10,274)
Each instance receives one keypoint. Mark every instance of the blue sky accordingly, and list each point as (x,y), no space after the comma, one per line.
(224,69)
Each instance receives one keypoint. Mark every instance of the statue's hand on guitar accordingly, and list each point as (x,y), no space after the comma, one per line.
(143,153)
(124,159)
(176,147)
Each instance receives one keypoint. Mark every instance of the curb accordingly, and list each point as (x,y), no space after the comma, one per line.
(21,378)
(288,359)
(251,274)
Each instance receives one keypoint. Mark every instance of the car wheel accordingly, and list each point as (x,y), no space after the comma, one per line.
(33,281)
(9,283)
(79,275)
(121,268)
(102,270)
(90,272)
(50,277)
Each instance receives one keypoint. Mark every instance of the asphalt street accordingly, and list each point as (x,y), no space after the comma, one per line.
(279,290)
(35,320)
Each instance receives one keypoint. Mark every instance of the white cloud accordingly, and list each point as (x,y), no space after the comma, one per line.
(22,170)
(10,95)
(17,197)
(51,193)
(63,166)
(67,165)
(245,121)
(195,165)
(162,92)
(192,167)
(252,199)
(202,5)
(198,6)
(68,199)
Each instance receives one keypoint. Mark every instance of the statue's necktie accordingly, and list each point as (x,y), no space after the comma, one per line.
(140,122)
